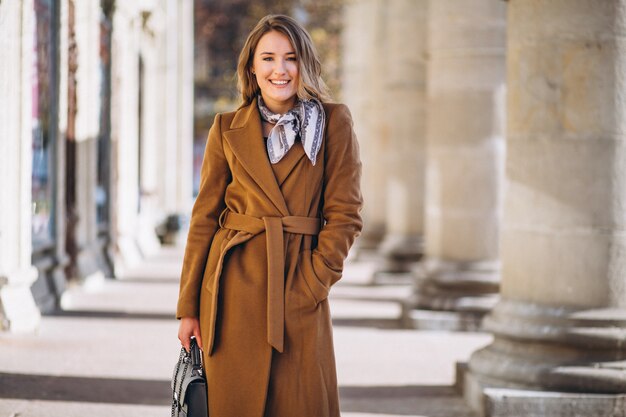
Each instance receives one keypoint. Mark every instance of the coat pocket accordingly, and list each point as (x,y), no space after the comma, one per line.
(315,287)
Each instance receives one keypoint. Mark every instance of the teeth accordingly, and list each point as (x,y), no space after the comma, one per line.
(282,82)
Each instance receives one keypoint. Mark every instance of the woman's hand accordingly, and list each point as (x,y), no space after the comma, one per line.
(189,326)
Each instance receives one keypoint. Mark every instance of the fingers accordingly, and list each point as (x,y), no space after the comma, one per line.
(184,340)
(184,337)
(189,327)
(198,337)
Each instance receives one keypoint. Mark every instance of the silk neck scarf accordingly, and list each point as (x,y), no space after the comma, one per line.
(306,119)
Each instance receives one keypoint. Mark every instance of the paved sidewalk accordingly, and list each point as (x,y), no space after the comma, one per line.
(111,352)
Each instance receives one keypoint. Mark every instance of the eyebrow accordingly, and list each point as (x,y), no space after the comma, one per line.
(272,53)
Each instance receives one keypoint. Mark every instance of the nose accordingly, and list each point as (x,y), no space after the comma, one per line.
(279,66)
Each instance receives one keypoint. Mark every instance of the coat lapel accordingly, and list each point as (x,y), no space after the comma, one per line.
(284,167)
(246,141)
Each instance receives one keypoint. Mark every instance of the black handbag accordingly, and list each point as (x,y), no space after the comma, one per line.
(189,390)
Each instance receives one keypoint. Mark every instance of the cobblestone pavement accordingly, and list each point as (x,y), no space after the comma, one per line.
(111,351)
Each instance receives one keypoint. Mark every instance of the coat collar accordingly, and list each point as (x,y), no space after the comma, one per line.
(246,141)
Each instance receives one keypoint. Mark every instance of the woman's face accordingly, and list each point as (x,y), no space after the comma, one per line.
(276,69)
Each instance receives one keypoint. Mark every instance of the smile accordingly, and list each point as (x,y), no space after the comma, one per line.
(279,82)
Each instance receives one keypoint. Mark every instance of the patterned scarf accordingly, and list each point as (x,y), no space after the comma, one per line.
(306,119)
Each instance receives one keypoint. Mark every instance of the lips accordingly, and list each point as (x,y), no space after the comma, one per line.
(279,82)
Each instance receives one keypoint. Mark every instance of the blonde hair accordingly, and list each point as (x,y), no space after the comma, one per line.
(310,84)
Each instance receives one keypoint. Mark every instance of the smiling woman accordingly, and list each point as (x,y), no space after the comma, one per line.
(276,69)
(270,230)
(272,32)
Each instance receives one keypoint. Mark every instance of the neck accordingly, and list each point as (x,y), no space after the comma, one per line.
(280,108)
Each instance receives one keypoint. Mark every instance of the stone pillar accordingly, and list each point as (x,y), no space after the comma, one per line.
(125,133)
(465,157)
(184,139)
(18,311)
(153,120)
(405,112)
(166,151)
(561,323)
(176,155)
(362,90)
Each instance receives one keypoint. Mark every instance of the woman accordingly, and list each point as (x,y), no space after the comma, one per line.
(277,212)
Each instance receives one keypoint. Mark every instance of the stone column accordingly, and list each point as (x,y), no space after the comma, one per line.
(18,311)
(153,121)
(362,90)
(405,112)
(166,169)
(176,154)
(561,323)
(184,189)
(465,156)
(125,133)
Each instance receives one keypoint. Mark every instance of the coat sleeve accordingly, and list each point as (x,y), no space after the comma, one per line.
(215,175)
(342,200)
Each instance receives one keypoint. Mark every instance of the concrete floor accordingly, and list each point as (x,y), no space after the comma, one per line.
(111,352)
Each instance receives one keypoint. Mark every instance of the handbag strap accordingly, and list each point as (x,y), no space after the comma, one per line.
(176,404)
(196,356)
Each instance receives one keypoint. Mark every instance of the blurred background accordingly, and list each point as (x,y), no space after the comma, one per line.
(490,276)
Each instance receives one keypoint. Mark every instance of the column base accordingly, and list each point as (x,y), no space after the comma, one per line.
(147,239)
(90,262)
(105,254)
(173,230)
(18,311)
(51,282)
(400,253)
(452,295)
(454,321)
(94,259)
(506,402)
(550,349)
(127,255)
(368,243)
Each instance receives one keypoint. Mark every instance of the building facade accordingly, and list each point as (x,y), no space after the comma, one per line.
(97,119)
(514,112)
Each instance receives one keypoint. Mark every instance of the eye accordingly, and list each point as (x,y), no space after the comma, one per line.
(292,58)
(268,58)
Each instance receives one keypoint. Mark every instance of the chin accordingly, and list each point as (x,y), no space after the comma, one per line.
(283,98)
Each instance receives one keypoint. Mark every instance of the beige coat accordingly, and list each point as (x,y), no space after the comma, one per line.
(265,245)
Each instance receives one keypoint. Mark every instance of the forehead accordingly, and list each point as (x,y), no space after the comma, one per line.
(274,42)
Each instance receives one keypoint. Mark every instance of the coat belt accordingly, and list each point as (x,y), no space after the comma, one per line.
(274,228)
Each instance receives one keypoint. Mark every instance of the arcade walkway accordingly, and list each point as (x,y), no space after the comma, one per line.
(111,352)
